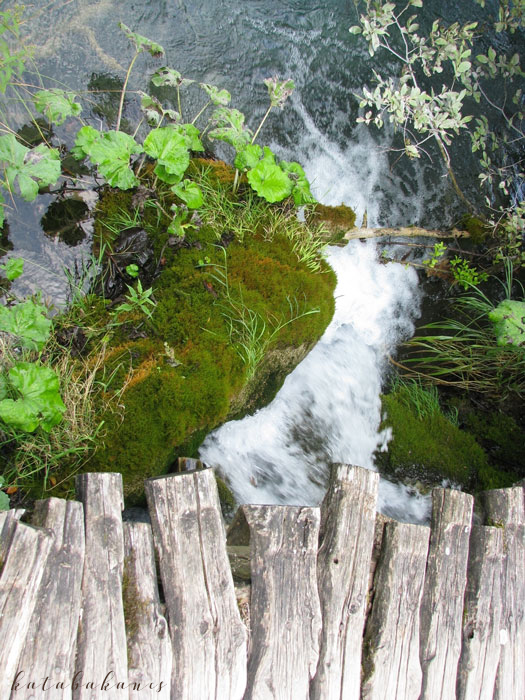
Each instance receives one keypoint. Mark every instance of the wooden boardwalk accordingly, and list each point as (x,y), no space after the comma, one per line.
(344,603)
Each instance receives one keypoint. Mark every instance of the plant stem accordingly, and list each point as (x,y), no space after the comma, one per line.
(123,92)
(199,113)
(261,124)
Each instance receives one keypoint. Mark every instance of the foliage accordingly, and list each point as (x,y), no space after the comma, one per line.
(111,152)
(422,112)
(466,351)
(138,300)
(12,62)
(56,105)
(4,498)
(27,322)
(508,319)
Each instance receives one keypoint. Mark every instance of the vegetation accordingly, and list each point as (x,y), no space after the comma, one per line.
(199,270)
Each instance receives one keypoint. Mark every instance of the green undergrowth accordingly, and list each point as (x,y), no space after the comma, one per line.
(234,304)
(428,447)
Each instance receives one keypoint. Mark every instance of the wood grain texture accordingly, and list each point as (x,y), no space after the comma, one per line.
(347,538)
(285,610)
(23,554)
(102,637)
(50,646)
(207,634)
(480,652)
(392,670)
(149,645)
(505,509)
(444,590)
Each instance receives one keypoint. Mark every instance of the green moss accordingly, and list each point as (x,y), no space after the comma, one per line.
(338,219)
(168,407)
(477,229)
(430,449)
(227,499)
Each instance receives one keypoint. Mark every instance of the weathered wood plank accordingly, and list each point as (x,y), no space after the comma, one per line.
(391,666)
(207,635)
(24,551)
(49,650)
(505,509)
(443,593)
(285,610)
(149,645)
(347,537)
(480,652)
(102,654)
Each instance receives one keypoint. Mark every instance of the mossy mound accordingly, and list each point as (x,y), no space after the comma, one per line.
(477,229)
(430,448)
(233,315)
(337,220)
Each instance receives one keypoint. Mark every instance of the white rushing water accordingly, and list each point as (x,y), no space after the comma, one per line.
(328,409)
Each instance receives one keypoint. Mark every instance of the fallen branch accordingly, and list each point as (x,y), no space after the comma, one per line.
(405,231)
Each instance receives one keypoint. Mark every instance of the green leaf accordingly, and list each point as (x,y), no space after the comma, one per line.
(508,319)
(248,156)
(355,29)
(301,187)
(230,127)
(218,97)
(169,147)
(268,180)
(169,77)
(29,168)
(4,499)
(40,403)
(28,322)
(111,152)
(56,105)
(279,90)
(13,268)
(141,43)
(190,193)
(191,136)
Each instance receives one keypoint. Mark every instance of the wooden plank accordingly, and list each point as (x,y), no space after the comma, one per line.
(443,593)
(149,645)
(24,554)
(391,666)
(285,610)
(208,637)
(49,650)
(347,537)
(480,652)
(101,662)
(505,509)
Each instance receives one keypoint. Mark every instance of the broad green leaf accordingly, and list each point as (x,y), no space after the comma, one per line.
(508,319)
(248,156)
(40,403)
(169,77)
(301,187)
(230,127)
(190,193)
(141,43)
(169,147)
(111,152)
(28,322)
(31,168)
(13,268)
(279,90)
(191,136)
(268,180)
(218,97)
(355,29)
(4,498)
(56,105)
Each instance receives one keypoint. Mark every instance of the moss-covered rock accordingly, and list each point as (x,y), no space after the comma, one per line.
(231,320)
(430,448)
(337,220)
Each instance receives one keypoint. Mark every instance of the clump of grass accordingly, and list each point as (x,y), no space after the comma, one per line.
(41,462)
(463,352)
(422,400)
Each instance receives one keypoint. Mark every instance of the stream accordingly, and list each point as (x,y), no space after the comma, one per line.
(329,407)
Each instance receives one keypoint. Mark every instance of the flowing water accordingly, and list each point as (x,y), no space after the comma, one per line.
(329,407)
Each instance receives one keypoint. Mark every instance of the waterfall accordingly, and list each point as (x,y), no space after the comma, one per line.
(329,408)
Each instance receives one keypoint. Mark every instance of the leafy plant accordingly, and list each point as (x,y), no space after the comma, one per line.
(56,105)
(27,322)
(138,299)
(465,274)
(111,152)
(37,401)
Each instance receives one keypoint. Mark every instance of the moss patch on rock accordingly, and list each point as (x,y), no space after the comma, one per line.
(221,299)
(430,448)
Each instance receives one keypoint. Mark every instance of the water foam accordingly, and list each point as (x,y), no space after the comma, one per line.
(328,409)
